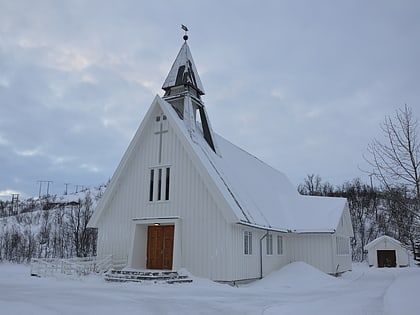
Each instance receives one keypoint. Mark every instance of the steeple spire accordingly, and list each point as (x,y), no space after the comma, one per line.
(183,90)
(183,72)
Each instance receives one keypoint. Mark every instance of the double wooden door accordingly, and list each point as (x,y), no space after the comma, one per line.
(160,244)
(387,258)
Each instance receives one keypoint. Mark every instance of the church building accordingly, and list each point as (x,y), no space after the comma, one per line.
(183,197)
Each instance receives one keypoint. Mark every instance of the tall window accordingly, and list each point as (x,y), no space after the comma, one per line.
(269,244)
(168,175)
(152,175)
(279,245)
(343,246)
(159,184)
(247,243)
(159,192)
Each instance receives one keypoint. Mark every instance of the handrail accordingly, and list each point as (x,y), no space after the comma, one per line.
(72,266)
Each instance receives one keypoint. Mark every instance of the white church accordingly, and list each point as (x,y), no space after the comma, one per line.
(183,197)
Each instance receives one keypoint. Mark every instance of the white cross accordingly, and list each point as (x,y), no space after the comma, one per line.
(160,119)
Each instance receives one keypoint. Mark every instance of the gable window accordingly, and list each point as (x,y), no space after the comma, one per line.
(279,245)
(168,175)
(247,243)
(159,184)
(152,175)
(159,191)
(269,244)
(343,246)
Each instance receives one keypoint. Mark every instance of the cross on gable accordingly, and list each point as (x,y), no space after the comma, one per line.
(162,121)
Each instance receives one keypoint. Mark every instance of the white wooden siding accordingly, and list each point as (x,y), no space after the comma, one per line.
(206,237)
(314,249)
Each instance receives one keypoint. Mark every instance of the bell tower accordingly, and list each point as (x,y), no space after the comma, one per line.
(183,90)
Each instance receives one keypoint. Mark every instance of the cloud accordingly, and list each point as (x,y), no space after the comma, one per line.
(299,84)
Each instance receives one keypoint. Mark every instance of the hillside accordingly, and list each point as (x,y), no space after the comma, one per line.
(49,227)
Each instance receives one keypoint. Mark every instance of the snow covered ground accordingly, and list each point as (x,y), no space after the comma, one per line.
(296,289)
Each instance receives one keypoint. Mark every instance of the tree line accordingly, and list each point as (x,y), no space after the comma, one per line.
(47,228)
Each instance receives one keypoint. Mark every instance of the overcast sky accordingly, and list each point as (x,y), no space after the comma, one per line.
(303,85)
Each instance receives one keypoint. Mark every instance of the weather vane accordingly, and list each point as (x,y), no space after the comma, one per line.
(186,30)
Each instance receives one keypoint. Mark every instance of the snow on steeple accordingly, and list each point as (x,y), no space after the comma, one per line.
(183,90)
(183,72)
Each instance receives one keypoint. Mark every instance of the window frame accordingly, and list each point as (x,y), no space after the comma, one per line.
(159,184)
(269,245)
(247,243)
(280,245)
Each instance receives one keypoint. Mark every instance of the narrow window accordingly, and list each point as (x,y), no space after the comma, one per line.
(152,174)
(159,184)
(279,245)
(247,243)
(167,183)
(269,244)
(343,246)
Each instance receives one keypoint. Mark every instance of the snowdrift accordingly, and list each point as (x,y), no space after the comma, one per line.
(296,275)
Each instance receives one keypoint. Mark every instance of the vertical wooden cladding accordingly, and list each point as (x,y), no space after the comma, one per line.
(313,249)
(205,239)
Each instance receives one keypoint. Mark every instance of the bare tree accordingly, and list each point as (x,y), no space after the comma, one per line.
(396,164)
(397,160)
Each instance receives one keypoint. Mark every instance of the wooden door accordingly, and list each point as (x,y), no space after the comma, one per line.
(387,258)
(160,243)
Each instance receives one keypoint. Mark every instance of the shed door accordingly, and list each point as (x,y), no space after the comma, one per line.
(160,244)
(387,258)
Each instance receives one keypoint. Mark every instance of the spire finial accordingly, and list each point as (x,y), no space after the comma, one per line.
(186,30)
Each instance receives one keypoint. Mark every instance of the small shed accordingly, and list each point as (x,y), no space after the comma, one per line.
(386,251)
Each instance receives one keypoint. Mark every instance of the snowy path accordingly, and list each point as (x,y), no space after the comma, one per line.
(363,295)
(359,292)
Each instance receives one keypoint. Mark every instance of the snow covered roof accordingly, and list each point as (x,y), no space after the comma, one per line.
(184,72)
(383,238)
(259,194)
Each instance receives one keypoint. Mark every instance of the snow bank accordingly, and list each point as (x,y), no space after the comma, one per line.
(297,275)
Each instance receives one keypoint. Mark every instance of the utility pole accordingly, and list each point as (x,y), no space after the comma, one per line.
(40,186)
(66,184)
(77,188)
(15,203)
(48,187)
(48,182)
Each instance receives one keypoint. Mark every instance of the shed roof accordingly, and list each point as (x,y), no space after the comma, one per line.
(383,238)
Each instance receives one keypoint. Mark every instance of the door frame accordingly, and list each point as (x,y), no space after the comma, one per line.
(386,252)
(137,258)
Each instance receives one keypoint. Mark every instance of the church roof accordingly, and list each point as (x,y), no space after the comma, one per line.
(184,72)
(258,194)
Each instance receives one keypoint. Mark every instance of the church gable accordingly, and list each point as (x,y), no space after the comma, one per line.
(160,158)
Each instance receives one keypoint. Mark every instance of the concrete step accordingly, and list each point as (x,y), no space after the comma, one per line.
(146,276)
